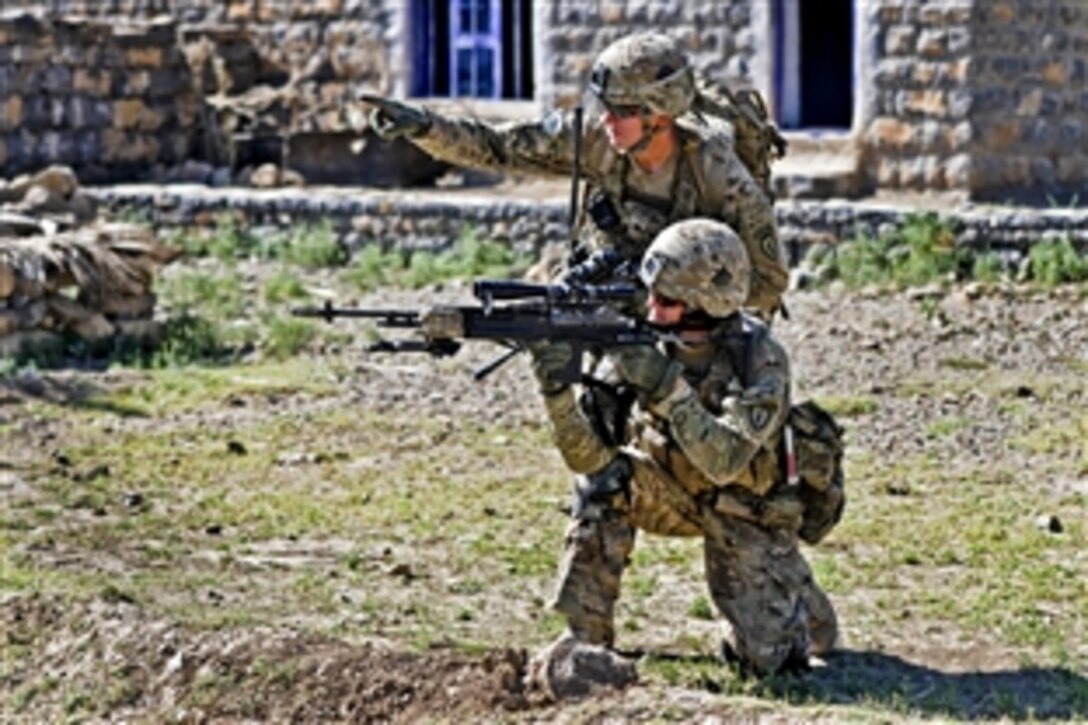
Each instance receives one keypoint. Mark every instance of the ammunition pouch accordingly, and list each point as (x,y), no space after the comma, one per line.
(607,408)
(602,211)
(818,446)
(604,494)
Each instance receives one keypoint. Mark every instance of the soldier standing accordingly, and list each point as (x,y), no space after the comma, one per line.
(702,455)
(649,156)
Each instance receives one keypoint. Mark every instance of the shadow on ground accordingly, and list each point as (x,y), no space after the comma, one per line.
(885,681)
(69,392)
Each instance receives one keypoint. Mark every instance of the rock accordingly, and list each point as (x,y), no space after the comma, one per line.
(290,177)
(1049,523)
(9,322)
(265,176)
(191,172)
(128,307)
(7,280)
(221,177)
(144,331)
(61,181)
(569,669)
(84,207)
(42,200)
(19,225)
(94,328)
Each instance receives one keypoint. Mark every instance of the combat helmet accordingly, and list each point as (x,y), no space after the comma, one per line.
(647,70)
(700,262)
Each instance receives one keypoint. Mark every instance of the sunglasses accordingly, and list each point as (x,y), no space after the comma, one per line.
(663,301)
(623,111)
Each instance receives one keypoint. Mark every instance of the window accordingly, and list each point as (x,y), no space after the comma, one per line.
(472,48)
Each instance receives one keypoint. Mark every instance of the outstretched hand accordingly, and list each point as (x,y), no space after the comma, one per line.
(394,119)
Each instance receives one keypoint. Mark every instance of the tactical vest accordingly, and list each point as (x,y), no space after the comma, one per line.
(612,216)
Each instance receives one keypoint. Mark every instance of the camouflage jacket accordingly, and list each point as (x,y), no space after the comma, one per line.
(721,427)
(618,210)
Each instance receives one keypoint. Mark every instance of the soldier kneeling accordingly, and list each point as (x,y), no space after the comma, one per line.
(701,452)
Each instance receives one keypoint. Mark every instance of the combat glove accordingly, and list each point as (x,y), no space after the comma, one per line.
(392,119)
(550,359)
(647,369)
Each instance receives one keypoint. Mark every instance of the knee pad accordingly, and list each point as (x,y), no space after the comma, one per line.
(597,495)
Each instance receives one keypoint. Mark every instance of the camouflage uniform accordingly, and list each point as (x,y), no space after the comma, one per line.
(704,461)
(705,179)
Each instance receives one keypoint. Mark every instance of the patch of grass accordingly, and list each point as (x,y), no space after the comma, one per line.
(920,252)
(945,427)
(848,406)
(189,340)
(284,286)
(227,241)
(1054,262)
(469,257)
(285,337)
(963,363)
(989,267)
(217,295)
(373,267)
(701,609)
(313,246)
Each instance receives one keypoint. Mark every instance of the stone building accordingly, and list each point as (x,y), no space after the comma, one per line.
(982,97)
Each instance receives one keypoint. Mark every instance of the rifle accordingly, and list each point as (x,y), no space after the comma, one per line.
(513,314)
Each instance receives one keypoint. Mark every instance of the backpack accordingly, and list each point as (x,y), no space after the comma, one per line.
(818,448)
(758,141)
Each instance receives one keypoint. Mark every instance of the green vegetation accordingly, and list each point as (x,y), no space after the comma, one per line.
(924,251)
(215,310)
(468,258)
(1054,262)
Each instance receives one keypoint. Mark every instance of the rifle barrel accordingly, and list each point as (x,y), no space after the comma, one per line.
(389,318)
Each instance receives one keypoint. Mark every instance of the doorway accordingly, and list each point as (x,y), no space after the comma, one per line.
(814,63)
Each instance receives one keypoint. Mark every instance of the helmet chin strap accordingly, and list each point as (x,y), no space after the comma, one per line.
(649,131)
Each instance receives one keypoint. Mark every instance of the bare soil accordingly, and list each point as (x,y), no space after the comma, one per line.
(944,381)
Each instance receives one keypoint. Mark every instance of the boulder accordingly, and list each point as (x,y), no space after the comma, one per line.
(570,669)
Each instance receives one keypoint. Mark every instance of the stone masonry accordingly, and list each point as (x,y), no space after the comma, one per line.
(982,97)
(109,101)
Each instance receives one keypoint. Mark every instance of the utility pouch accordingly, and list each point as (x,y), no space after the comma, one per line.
(603,212)
(818,443)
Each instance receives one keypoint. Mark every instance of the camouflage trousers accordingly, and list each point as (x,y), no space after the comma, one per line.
(774,612)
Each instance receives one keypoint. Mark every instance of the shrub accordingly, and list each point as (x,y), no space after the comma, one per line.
(314,246)
(287,336)
(186,340)
(218,295)
(469,257)
(283,286)
(922,251)
(1054,262)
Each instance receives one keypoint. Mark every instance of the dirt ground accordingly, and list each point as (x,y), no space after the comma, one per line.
(943,394)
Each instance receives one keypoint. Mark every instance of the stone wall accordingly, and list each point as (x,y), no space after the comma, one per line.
(1029,84)
(325,48)
(918,132)
(982,96)
(434,221)
(111,102)
(719,34)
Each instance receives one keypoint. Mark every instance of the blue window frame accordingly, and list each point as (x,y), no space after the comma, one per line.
(471,48)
